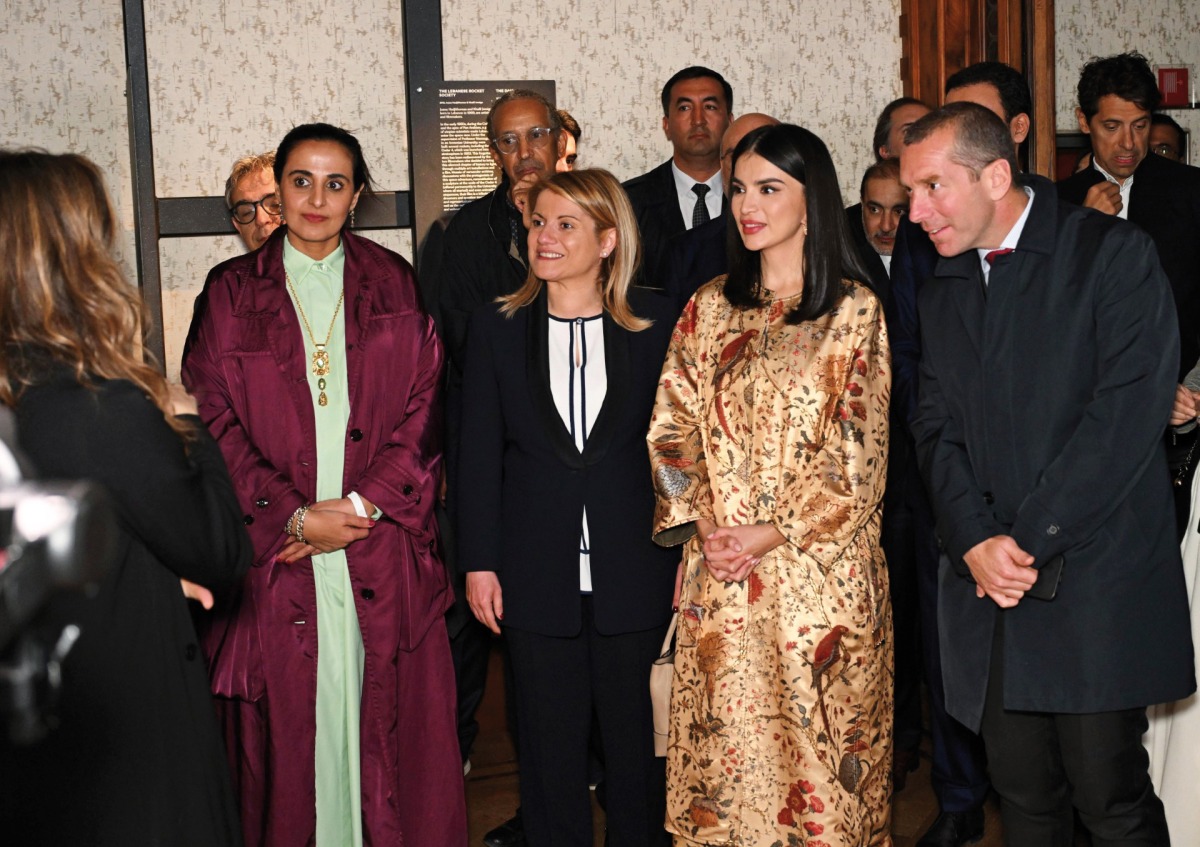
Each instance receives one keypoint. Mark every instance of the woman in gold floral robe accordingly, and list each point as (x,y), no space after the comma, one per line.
(768,445)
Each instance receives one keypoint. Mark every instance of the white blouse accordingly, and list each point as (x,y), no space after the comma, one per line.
(578,382)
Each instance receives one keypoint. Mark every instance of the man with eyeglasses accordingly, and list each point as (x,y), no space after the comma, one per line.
(483,256)
(251,199)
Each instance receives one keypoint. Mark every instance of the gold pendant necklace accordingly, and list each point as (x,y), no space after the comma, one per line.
(320,356)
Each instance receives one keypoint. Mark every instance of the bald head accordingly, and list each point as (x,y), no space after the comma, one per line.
(738,130)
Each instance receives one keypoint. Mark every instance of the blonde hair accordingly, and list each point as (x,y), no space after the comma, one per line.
(248,165)
(61,290)
(602,199)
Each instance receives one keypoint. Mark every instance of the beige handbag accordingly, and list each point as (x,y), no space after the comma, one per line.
(662,674)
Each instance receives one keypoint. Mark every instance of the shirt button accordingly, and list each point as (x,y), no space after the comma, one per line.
(262,502)
(356,435)
(247,519)
(408,490)
(368,594)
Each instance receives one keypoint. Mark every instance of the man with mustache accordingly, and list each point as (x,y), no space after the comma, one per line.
(884,205)
(687,190)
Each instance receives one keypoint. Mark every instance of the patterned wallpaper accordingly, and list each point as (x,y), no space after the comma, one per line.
(231,76)
(828,66)
(66,89)
(1164,31)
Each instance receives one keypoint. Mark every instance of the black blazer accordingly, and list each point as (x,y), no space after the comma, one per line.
(1164,201)
(695,257)
(523,484)
(656,206)
(1040,416)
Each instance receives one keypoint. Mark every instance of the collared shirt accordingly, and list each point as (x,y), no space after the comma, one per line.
(1124,186)
(687,197)
(887,263)
(1010,240)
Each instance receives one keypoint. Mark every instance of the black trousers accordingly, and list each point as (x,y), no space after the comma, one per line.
(559,681)
(1045,766)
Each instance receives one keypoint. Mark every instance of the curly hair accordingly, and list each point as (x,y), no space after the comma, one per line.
(1126,75)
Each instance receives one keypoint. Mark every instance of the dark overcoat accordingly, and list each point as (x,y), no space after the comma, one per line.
(245,362)
(1165,201)
(136,756)
(1041,409)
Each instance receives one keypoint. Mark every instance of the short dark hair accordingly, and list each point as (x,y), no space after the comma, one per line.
(829,253)
(980,136)
(325,132)
(523,94)
(1010,83)
(1127,75)
(883,126)
(696,72)
(883,169)
(570,124)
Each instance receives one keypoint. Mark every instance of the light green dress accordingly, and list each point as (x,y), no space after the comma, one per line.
(339,641)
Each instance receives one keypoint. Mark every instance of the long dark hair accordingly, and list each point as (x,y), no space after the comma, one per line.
(829,252)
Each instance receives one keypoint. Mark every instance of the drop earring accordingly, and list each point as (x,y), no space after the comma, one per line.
(352,219)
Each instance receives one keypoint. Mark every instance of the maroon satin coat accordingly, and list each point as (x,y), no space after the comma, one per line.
(245,362)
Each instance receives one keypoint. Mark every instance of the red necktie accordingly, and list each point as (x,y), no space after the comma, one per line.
(991,256)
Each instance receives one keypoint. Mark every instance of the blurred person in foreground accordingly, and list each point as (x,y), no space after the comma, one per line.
(136,756)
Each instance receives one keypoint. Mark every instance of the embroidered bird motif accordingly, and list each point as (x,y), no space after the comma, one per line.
(732,353)
(828,653)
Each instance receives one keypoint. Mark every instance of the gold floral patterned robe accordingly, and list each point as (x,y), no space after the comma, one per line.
(781,712)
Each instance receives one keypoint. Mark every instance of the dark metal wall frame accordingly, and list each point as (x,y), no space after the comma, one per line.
(155,218)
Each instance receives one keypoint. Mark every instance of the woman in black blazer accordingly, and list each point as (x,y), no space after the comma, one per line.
(135,757)
(557,505)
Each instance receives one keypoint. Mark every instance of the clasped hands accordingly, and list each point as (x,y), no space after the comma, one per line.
(328,525)
(1001,569)
(732,552)
(1186,408)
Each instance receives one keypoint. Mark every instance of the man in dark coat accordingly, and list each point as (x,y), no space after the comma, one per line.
(959,771)
(1047,376)
(687,190)
(1116,96)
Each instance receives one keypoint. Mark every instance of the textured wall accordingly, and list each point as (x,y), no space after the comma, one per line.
(827,66)
(65,65)
(230,78)
(1164,31)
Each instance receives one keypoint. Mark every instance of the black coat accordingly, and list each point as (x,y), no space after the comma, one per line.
(1040,416)
(1164,201)
(656,206)
(523,484)
(137,759)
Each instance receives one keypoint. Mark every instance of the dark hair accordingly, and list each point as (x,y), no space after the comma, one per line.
(1127,75)
(570,124)
(883,169)
(523,94)
(883,126)
(829,252)
(980,136)
(1009,83)
(696,72)
(325,132)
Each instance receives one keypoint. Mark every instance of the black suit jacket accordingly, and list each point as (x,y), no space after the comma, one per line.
(1164,201)
(694,258)
(656,206)
(1040,414)
(523,485)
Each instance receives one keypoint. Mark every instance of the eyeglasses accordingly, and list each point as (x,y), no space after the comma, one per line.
(536,137)
(244,211)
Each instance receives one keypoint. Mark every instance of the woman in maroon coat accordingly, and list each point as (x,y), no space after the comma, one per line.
(317,371)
